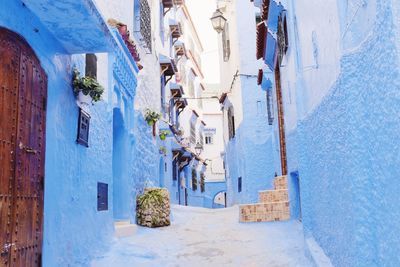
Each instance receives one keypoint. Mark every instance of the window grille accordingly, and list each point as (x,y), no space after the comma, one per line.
(202,183)
(270,107)
(194,180)
(193,132)
(102,196)
(231,123)
(143,23)
(226,43)
(83,128)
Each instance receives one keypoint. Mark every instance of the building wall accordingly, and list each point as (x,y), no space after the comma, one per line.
(339,129)
(71,171)
(245,154)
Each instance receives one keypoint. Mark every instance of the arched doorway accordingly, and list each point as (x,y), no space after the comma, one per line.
(219,200)
(120,176)
(161,172)
(23,97)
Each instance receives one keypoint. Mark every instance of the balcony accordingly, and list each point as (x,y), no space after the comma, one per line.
(76,24)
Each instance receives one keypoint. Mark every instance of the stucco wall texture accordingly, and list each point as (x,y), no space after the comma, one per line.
(348,153)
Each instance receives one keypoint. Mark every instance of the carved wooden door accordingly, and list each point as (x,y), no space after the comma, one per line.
(23,94)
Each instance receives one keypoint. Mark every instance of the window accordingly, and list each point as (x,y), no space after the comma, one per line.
(283,40)
(258,18)
(163,106)
(102,196)
(209,140)
(174,170)
(192,132)
(91,65)
(240,184)
(201,137)
(194,180)
(202,183)
(270,107)
(143,23)
(83,128)
(162,22)
(231,123)
(226,45)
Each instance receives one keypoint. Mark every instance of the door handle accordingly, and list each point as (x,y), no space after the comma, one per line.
(27,149)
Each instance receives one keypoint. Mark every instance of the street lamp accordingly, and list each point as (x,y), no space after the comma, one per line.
(218,21)
(198,148)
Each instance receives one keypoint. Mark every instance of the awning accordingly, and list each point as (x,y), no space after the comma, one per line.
(261,32)
(167,65)
(176,29)
(176,89)
(168,3)
(270,53)
(76,24)
(181,103)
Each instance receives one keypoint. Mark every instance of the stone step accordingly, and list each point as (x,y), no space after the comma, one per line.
(266,196)
(280,182)
(264,212)
(124,229)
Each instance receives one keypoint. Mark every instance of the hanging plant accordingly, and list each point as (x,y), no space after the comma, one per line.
(163,134)
(151,117)
(87,87)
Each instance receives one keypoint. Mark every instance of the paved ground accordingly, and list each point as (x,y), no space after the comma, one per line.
(210,238)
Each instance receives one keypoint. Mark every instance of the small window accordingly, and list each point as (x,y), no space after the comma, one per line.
(194,180)
(226,43)
(240,184)
(91,65)
(258,18)
(270,107)
(209,140)
(83,128)
(231,123)
(102,196)
(202,183)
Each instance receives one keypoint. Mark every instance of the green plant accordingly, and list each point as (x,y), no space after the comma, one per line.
(163,134)
(151,196)
(151,117)
(163,150)
(87,85)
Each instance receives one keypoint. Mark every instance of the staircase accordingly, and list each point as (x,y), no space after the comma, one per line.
(273,204)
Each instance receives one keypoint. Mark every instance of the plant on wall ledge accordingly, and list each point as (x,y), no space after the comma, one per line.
(163,134)
(86,88)
(151,118)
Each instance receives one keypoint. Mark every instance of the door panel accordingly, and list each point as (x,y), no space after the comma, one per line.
(28,172)
(9,80)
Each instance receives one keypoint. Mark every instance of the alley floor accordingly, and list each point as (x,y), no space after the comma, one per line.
(210,238)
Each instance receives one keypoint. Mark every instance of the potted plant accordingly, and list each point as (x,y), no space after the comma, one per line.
(163,150)
(86,88)
(163,134)
(151,118)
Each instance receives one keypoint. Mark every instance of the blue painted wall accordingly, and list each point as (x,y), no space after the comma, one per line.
(347,153)
(74,231)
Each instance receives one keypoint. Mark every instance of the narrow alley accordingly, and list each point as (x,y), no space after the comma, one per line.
(209,133)
(210,238)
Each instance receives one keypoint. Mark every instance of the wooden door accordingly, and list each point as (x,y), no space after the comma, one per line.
(23,94)
(281,120)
